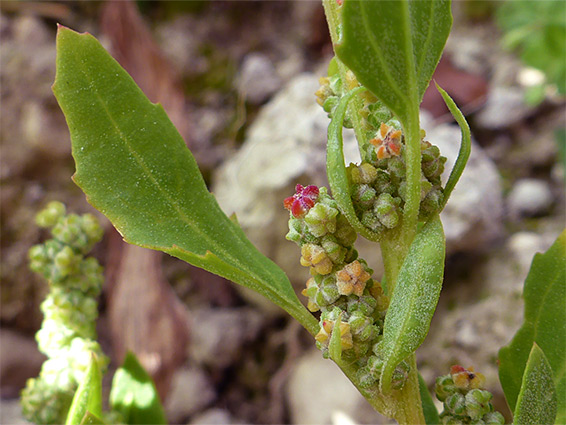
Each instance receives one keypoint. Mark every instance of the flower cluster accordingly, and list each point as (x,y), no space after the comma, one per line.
(378,184)
(464,398)
(67,335)
(340,286)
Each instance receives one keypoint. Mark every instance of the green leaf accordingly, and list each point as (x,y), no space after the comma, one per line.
(133,394)
(90,419)
(414,299)
(544,324)
(88,396)
(335,343)
(429,409)
(536,403)
(336,168)
(394,46)
(465,145)
(135,168)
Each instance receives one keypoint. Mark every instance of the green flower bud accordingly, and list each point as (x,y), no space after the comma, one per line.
(345,233)
(493,418)
(50,215)
(358,322)
(363,196)
(330,103)
(385,209)
(382,183)
(400,375)
(455,404)
(431,204)
(478,403)
(333,249)
(365,304)
(321,219)
(67,261)
(366,377)
(444,387)
(92,228)
(450,420)
(299,233)
(369,220)
(362,174)
(396,168)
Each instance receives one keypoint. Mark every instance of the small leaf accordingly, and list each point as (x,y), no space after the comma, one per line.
(536,403)
(88,396)
(336,168)
(135,168)
(335,343)
(133,394)
(429,409)
(465,145)
(394,46)
(90,419)
(414,299)
(544,324)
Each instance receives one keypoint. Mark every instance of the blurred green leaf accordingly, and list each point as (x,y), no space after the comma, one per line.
(536,403)
(88,397)
(544,324)
(429,409)
(133,394)
(135,168)
(538,30)
(414,299)
(394,46)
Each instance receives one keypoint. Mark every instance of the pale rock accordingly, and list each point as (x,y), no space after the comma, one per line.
(318,392)
(258,78)
(285,145)
(214,416)
(505,106)
(191,391)
(218,335)
(529,197)
(473,216)
(11,412)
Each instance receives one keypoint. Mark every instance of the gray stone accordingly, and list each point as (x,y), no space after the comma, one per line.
(218,335)
(317,391)
(505,106)
(20,360)
(529,197)
(258,78)
(213,416)
(473,215)
(191,391)
(11,412)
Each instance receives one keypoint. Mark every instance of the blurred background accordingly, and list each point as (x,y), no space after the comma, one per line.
(238,80)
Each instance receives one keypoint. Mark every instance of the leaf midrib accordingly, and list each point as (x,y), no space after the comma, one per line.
(213,243)
(375,45)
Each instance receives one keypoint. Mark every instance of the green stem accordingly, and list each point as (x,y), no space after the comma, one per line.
(402,405)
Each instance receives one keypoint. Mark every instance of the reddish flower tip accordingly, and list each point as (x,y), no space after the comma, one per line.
(302,201)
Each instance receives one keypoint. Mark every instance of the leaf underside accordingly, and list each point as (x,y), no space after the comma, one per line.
(393,47)
(536,403)
(544,324)
(414,300)
(135,168)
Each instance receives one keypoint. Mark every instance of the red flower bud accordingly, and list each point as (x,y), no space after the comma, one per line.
(302,201)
